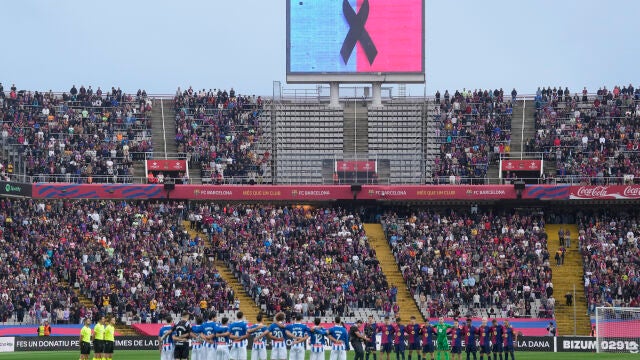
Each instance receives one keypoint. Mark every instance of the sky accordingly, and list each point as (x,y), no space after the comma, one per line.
(160,45)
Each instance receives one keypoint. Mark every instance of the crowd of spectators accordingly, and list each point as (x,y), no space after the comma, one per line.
(608,242)
(473,128)
(308,260)
(80,136)
(133,259)
(218,131)
(593,138)
(458,262)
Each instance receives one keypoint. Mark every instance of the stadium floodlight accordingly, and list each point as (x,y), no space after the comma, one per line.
(617,329)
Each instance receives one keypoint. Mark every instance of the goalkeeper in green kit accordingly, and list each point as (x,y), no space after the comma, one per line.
(442,344)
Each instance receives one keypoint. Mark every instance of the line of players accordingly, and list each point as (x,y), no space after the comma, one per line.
(429,339)
(213,340)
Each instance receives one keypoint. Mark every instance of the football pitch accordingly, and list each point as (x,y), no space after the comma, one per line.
(155,355)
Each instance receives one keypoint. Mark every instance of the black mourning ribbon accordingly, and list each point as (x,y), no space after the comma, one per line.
(357,32)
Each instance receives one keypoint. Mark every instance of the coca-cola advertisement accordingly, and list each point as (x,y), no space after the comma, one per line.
(605,192)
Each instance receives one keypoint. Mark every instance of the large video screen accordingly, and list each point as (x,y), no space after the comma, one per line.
(337,39)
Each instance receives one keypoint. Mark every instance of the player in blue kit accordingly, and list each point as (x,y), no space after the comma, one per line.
(386,339)
(427,341)
(470,332)
(259,347)
(278,338)
(208,329)
(456,341)
(222,335)
(413,337)
(299,332)
(197,341)
(166,341)
(339,338)
(399,340)
(239,345)
(510,338)
(484,333)
(317,341)
(497,338)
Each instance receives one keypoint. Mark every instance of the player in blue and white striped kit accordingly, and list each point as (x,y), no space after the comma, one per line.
(239,345)
(299,333)
(166,341)
(197,342)
(222,336)
(278,338)
(339,339)
(317,341)
(208,329)
(259,348)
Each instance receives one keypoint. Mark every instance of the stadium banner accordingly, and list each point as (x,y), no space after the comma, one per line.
(521,165)
(9,188)
(7,344)
(272,192)
(369,166)
(437,192)
(167,165)
(588,344)
(98,191)
(535,343)
(605,192)
(546,192)
(355,40)
(64,343)
(262,192)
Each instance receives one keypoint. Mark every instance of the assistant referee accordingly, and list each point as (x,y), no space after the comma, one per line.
(109,337)
(85,340)
(98,339)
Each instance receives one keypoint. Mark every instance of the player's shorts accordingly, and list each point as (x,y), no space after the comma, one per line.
(414,346)
(508,348)
(497,347)
(456,349)
(108,347)
(471,348)
(85,348)
(387,348)
(181,352)
(428,347)
(167,352)
(442,345)
(279,353)
(238,353)
(485,349)
(258,354)
(369,347)
(98,346)
(399,347)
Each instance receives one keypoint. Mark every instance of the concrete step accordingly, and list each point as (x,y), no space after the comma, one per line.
(247,304)
(378,241)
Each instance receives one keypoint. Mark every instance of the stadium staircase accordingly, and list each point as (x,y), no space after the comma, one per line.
(247,305)
(356,130)
(564,278)
(390,269)
(121,328)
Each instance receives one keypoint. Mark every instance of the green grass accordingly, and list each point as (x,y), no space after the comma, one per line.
(155,355)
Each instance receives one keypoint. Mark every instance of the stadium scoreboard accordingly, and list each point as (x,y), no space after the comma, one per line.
(355,41)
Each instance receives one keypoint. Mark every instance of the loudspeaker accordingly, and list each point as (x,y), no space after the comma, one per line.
(169,186)
(356,187)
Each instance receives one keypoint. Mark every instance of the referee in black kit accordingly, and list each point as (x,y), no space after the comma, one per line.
(356,338)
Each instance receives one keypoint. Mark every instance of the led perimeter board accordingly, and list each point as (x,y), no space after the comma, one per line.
(355,41)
